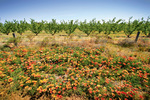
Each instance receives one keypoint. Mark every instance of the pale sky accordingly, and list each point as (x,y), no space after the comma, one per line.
(73,9)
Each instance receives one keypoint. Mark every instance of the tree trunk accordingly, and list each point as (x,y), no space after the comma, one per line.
(14,35)
(36,34)
(137,36)
(148,35)
(88,35)
(128,36)
(99,31)
(114,32)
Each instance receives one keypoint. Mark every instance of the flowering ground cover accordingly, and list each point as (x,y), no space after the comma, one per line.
(60,72)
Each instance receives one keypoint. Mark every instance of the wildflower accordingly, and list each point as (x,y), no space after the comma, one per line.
(21,85)
(59,96)
(63,89)
(28,78)
(44,90)
(29,81)
(59,92)
(130,58)
(26,87)
(90,91)
(113,94)
(74,88)
(98,86)
(54,91)
(105,94)
(102,98)
(96,98)
(51,85)
(10,79)
(29,88)
(99,95)
(53,95)
(141,96)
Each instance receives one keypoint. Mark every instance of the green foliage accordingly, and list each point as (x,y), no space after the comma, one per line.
(1,25)
(120,27)
(130,27)
(106,27)
(99,27)
(146,27)
(36,27)
(115,25)
(22,26)
(87,28)
(70,27)
(6,27)
(14,26)
(52,27)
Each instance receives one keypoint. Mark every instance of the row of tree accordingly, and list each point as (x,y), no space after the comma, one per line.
(112,26)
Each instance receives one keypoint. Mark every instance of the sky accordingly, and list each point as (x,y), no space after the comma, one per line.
(73,9)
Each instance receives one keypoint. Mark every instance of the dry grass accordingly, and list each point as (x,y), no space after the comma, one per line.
(80,39)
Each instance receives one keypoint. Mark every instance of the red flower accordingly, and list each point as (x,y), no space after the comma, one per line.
(74,88)
(100,65)
(59,96)
(141,96)
(59,92)
(102,98)
(10,79)
(95,63)
(96,98)
(123,92)
(130,95)
(130,58)
(90,91)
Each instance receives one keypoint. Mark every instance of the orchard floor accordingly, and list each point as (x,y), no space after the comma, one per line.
(116,45)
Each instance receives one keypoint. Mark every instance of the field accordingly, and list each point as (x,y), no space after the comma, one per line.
(75,67)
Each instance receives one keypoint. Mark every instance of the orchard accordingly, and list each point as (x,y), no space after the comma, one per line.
(95,60)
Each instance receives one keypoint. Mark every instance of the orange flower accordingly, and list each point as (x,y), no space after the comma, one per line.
(59,92)
(90,91)
(21,85)
(99,95)
(59,96)
(10,79)
(26,87)
(54,91)
(63,89)
(131,58)
(44,90)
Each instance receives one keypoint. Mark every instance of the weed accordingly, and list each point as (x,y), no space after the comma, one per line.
(30,37)
(126,43)
(14,40)
(45,42)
